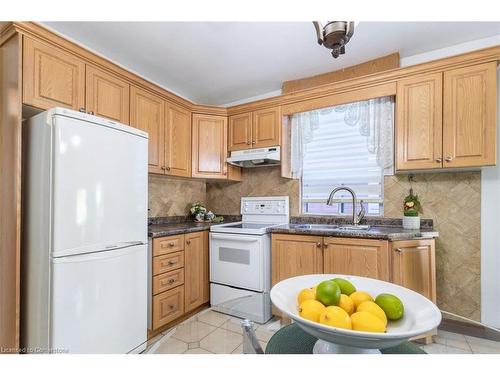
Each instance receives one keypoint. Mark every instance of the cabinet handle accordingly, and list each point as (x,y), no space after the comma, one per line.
(188,242)
(163,168)
(318,244)
(249,143)
(167,168)
(400,250)
(448,158)
(253,142)
(171,307)
(91,113)
(171,281)
(81,109)
(439,160)
(171,244)
(171,262)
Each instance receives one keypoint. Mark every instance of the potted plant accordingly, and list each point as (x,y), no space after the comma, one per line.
(198,211)
(411,210)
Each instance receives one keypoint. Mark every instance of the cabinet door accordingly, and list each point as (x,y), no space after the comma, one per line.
(413,266)
(419,122)
(107,95)
(470,116)
(266,129)
(195,281)
(147,113)
(358,257)
(178,141)
(168,306)
(240,132)
(209,146)
(52,77)
(295,255)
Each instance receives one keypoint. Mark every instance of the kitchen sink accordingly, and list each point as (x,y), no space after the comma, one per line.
(317,226)
(353,227)
(327,227)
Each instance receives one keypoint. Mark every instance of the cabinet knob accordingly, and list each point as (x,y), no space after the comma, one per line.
(398,250)
(171,262)
(91,112)
(439,160)
(188,242)
(318,244)
(171,307)
(163,168)
(171,244)
(81,110)
(171,281)
(249,143)
(253,142)
(167,168)
(448,158)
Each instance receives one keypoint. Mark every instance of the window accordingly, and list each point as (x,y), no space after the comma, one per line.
(336,153)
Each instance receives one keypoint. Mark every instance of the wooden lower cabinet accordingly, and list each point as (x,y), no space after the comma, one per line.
(196,268)
(180,280)
(358,257)
(294,255)
(414,266)
(408,263)
(168,306)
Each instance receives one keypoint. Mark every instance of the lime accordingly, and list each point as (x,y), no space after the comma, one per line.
(328,293)
(346,286)
(392,305)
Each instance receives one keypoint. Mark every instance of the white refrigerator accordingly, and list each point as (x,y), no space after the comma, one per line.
(85,258)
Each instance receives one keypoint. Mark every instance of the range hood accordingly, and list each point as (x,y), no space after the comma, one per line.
(256,157)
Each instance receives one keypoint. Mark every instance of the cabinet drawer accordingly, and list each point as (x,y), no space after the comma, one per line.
(168,280)
(167,245)
(168,306)
(168,262)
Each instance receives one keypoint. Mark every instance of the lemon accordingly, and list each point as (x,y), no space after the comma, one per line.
(311,309)
(336,317)
(306,294)
(346,303)
(392,305)
(373,308)
(359,297)
(365,321)
(346,286)
(328,293)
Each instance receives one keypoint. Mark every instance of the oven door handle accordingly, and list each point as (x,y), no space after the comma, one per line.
(234,238)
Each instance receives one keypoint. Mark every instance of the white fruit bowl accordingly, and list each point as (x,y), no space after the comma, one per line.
(420,315)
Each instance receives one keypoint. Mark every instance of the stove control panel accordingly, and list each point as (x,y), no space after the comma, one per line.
(264,206)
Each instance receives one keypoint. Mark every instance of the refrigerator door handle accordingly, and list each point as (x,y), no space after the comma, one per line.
(120,245)
(100,255)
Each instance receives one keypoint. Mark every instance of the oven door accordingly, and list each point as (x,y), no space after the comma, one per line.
(239,260)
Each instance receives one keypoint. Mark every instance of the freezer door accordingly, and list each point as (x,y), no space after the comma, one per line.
(99,301)
(99,187)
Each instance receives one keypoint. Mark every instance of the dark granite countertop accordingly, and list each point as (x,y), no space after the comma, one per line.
(169,226)
(391,233)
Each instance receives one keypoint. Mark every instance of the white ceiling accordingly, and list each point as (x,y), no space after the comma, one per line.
(221,62)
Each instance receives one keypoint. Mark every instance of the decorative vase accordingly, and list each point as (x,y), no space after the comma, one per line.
(199,216)
(411,222)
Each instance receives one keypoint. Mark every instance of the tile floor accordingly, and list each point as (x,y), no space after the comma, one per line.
(211,332)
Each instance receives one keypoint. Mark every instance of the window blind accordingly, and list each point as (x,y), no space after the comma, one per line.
(338,155)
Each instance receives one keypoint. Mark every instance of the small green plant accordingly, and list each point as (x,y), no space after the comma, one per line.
(411,205)
(197,208)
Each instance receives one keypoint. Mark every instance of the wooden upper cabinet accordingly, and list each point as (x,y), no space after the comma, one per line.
(358,257)
(209,146)
(470,116)
(240,132)
(147,114)
(107,95)
(52,77)
(419,122)
(413,266)
(295,255)
(177,141)
(266,129)
(196,270)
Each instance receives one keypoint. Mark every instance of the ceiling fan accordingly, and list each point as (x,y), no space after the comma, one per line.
(334,35)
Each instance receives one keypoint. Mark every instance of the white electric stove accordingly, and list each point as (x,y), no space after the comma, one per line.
(240,259)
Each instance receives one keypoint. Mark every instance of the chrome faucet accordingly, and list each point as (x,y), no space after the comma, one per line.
(356,218)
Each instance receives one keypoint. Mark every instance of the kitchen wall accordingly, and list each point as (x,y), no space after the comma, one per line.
(171,196)
(452,200)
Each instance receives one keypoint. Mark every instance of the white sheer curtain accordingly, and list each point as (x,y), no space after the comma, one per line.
(374,119)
